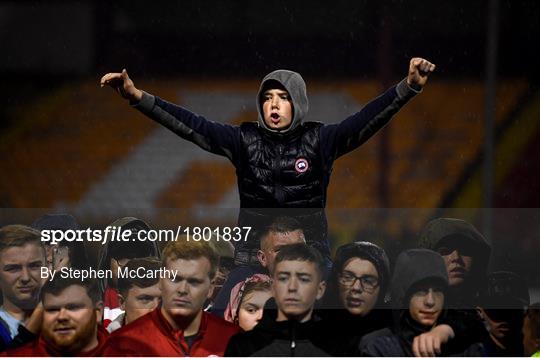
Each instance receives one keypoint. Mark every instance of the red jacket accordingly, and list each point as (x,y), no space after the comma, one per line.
(152,335)
(38,348)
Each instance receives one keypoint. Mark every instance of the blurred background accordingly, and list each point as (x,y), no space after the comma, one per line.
(466,147)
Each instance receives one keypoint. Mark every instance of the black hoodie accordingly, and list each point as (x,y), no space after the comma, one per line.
(412,267)
(282,169)
(461,302)
(345,330)
(443,231)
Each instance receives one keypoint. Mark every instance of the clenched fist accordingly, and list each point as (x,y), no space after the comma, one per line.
(419,70)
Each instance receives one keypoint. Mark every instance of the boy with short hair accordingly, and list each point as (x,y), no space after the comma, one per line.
(137,295)
(298,282)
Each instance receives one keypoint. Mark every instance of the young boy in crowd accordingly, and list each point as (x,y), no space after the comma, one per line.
(356,296)
(297,284)
(281,161)
(115,255)
(137,295)
(418,289)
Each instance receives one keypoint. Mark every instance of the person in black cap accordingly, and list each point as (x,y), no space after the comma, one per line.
(116,254)
(355,296)
(502,305)
(64,253)
(418,289)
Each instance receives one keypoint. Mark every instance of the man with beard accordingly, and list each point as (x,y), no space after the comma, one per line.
(21,258)
(72,311)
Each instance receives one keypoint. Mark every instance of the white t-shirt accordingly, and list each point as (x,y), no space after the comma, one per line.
(12,322)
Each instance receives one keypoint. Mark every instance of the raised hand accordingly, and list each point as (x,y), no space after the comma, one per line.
(419,70)
(121,82)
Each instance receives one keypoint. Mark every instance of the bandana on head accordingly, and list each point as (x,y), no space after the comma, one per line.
(231,312)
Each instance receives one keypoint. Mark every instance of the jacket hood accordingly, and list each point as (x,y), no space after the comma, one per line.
(412,267)
(295,85)
(443,231)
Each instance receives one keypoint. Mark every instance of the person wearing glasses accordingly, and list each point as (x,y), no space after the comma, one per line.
(355,296)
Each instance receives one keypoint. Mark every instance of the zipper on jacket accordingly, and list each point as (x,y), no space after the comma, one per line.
(293,338)
(280,197)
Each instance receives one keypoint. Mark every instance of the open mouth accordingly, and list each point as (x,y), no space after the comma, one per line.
(274,117)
